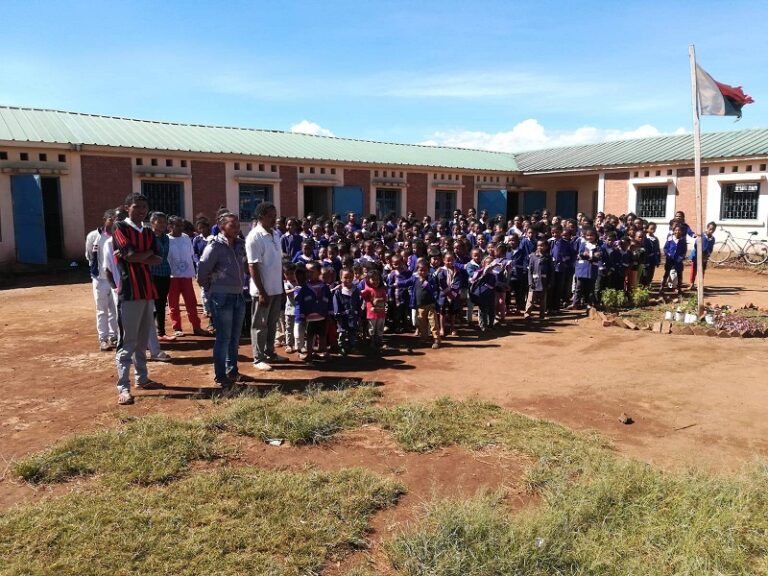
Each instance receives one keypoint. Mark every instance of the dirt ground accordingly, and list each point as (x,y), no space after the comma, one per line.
(695,401)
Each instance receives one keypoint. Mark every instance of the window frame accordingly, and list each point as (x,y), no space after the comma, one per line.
(729,187)
(641,190)
(242,194)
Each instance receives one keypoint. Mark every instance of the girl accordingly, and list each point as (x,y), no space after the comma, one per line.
(482,292)
(313,304)
(675,250)
(450,280)
(375,297)
(398,295)
(707,244)
(653,257)
(588,259)
(347,304)
(471,267)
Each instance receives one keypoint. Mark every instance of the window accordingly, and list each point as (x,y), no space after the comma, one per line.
(183,163)
(237,165)
(23,156)
(3,155)
(153,162)
(169,163)
(248,166)
(251,195)
(445,204)
(43,157)
(261,167)
(387,201)
(333,171)
(167,197)
(739,201)
(139,161)
(274,168)
(62,157)
(652,202)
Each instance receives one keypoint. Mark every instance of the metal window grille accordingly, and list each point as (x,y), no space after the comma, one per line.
(387,201)
(167,197)
(652,202)
(251,195)
(739,201)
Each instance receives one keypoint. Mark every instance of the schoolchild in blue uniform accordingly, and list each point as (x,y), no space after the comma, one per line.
(589,257)
(291,241)
(675,250)
(528,242)
(470,268)
(607,267)
(561,252)
(707,244)
(398,296)
(312,307)
(424,292)
(450,280)
(623,263)
(540,272)
(518,272)
(347,309)
(307,253)
(653,254)
(482,292)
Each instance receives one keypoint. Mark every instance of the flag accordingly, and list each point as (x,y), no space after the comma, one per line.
(716,99)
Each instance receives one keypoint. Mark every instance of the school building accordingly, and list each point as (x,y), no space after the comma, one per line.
(59,171)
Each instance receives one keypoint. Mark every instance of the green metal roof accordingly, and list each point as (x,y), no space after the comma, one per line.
(57,127)
(53,126)
(661,149)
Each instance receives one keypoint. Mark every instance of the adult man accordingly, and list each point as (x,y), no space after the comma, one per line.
(265,264)
(106,314)
(135,250)
(220,273)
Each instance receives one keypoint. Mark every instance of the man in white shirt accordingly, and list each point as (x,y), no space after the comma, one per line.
(265,264)
(106,313)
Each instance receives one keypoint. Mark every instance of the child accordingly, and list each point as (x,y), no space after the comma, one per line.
(450,280)
(637,261)
(518,272)
(182,266)
(675,250)
(623,263)
(589,257)
(291,242)
(291,326)
(499,267)
(707,244)
(470,268)
(398,295)
(375,296)
(482,292)
(423,301)
(653,257)
(307,253)
(539,279)
(313,303)
(347,304)
(561,252)
(328,275)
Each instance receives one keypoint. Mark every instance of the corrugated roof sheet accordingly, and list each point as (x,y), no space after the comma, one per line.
(53,126)
(714,145)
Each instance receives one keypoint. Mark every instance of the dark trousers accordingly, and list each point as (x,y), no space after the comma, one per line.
(519,290)
(163,285)
(585,292)
(398,317)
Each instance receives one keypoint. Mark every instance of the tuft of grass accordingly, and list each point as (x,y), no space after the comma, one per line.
(610,517)
(231,522)
(308,418)
(142,451)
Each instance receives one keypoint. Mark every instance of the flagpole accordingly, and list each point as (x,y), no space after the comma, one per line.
(697,182)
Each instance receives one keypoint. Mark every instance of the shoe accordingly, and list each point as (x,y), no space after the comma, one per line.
(289,350)
(303,356)
(262,366)
(125,399)
(113,341)
(105,346)
(435,345)
(160,357)
(210,328)
(166,338)
(275,359)
(178,333)
(201,332)
(240,378)
(150,385)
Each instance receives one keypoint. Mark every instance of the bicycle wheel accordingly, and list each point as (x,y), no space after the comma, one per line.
(755,253)
(721,252)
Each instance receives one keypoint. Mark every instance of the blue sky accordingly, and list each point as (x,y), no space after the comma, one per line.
(500,75)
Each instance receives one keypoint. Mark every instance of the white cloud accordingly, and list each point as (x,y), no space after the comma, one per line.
(307,127)
(530,135)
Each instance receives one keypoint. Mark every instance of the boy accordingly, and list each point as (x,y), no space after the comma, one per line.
(106,313)
(675,250)
(182,263)
(161,273)
(424,301)
(347,306)
(313,304)
(398,295)
(539,279)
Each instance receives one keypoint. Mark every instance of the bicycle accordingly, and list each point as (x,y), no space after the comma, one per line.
(753,252)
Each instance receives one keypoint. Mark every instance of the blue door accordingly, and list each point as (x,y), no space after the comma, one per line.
(534,201)
(348,199)
(566,203)
(28,219)
(493,202)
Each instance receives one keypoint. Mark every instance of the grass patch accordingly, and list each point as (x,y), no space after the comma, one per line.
(234,522)
(142,451)
(308,418)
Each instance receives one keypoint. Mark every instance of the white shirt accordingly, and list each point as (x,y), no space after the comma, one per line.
(180,256)
(263,249)
(94,247)
(108,262)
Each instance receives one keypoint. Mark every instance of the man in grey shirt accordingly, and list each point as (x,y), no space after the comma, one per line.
(265,263)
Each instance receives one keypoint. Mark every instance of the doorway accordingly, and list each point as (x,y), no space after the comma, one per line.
(445,204)
(318,200)
(566,203)
(38,228)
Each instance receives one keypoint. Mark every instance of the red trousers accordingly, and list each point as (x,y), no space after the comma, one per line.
(183,287)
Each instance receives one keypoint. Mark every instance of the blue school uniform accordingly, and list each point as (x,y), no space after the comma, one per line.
(347,310)
(587,264)
(707,245)
(528,246)
(423,292)
(313,301)
(540,272)
(291,244)
(302,259)
(482,287)
(449,289)
(675,251)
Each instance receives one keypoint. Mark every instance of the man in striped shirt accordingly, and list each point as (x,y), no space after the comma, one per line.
(135,250)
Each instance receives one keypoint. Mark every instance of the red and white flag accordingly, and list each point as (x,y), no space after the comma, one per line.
(716,99)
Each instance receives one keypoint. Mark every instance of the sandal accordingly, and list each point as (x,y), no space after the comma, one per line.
(125,399)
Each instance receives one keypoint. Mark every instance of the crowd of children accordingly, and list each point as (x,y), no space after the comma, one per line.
(348,282)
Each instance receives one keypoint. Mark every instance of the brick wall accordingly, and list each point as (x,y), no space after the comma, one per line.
(209,182)
(467,193)
(289,191)
(417,194)
(616,193)
(361,178)
(685,198)
(107,180)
